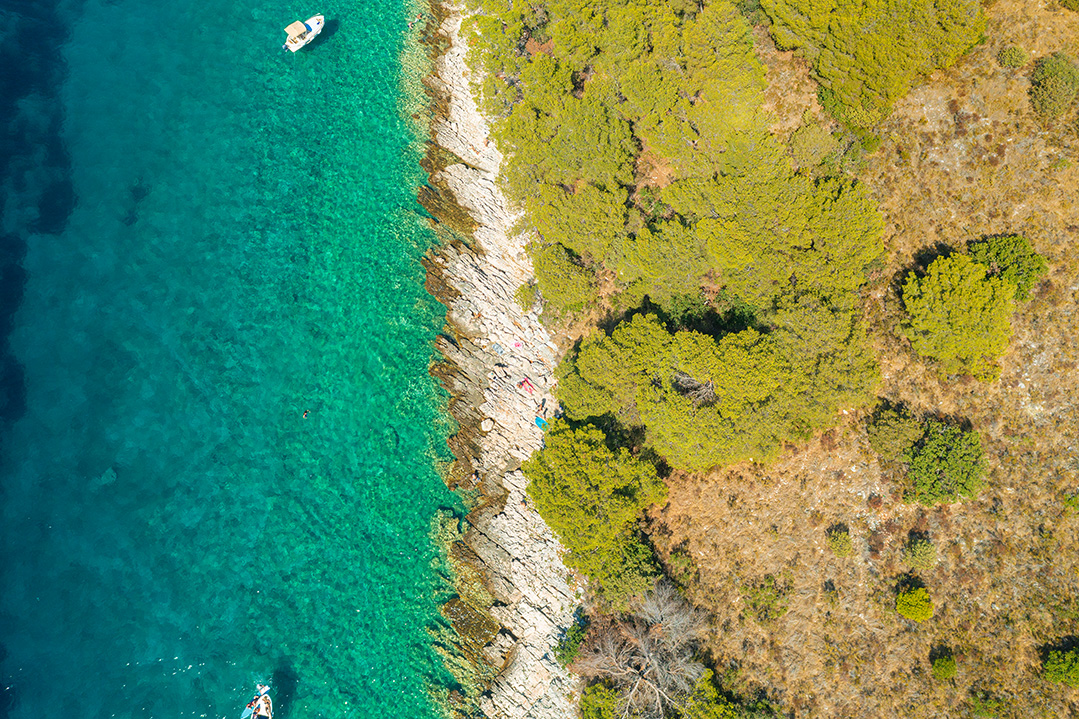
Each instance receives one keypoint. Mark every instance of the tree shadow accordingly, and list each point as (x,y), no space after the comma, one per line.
(1064,644)
(939,651)
(920,265)
(723,316)
(915,535)
(615,317)
(726,314)
(838,528)
(908,583)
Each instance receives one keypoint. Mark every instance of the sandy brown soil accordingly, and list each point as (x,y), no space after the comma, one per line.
(962,157)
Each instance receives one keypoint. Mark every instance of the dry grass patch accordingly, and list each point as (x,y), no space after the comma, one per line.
(791,91)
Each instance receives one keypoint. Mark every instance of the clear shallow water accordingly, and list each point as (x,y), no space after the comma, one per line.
(207,237)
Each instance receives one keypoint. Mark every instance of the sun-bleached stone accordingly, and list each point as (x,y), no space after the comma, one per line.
(505,362)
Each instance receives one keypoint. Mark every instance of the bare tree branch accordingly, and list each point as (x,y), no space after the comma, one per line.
(648,656)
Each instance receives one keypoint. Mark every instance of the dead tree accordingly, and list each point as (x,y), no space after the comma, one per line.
(649,656)
(702,393)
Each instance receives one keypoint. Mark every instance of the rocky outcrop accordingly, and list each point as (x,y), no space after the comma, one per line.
(499,363)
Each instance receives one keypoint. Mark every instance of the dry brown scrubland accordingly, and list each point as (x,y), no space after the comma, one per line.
(962,157)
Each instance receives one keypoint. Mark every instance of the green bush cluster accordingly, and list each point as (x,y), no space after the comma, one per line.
(867,54)
(684,83)
(1070,4)
(959,315)
(944,462)
(599,701)
(915,604)
(1053,85)
(893,431)
(706,402)
(1012,257)
(566,284)
(1062,666)
(592,497)
(946,465)
(920,554)
(1013,56)
(839,540)
(526,296)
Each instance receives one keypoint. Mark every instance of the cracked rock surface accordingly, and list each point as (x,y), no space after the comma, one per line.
(503,362)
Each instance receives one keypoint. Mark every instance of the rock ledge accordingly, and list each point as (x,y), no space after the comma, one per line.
(499,369)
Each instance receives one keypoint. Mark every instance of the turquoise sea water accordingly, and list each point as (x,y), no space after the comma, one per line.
(205,238)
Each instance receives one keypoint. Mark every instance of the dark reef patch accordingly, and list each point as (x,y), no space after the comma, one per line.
(35,165)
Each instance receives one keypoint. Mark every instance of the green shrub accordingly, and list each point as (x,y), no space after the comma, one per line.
(1013,56)
(767,600)
(868,53)
(1053,85)
(586,222)
(680,567)
(915,604)
(707,703)
(1012,257)
(569,646)
(591,497)
(1070,4)
(945,466)
(920,554)
(870,142)
(1062,666)
(984,704)
(811,144)
(599,702)
(944,667)
(893,431)
(839,540)
(959,316)
(565,285)
(526,296)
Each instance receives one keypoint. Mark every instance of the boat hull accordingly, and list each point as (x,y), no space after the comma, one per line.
(314,26)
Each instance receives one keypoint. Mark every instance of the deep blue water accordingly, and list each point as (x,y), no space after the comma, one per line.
(202,239)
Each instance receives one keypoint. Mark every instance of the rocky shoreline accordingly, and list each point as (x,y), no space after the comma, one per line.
(498,366)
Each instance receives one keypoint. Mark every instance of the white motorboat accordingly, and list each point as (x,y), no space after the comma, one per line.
(301,33)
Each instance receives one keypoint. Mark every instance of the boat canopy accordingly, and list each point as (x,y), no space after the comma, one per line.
(296,29)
